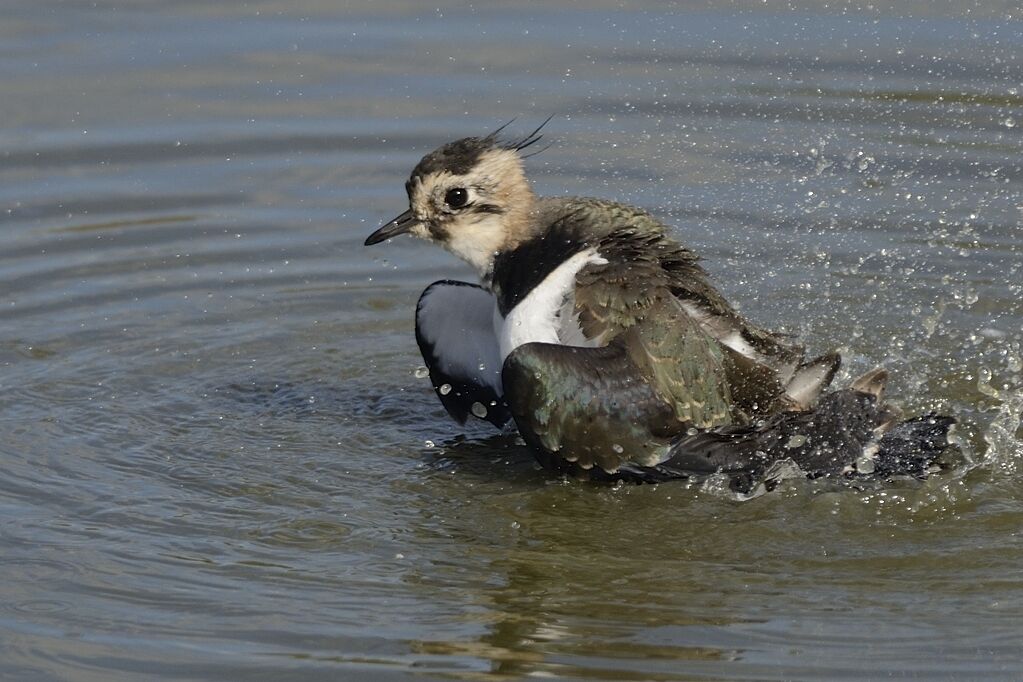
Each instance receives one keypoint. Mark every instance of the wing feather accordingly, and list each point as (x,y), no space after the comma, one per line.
(619,404)
(581,408)
(455,333)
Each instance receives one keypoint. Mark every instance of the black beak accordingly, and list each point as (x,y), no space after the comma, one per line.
(399,225)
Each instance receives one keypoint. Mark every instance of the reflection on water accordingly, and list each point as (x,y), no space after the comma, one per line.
(218,462)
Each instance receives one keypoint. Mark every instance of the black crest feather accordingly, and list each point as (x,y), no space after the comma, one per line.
(530,139)
(460,156)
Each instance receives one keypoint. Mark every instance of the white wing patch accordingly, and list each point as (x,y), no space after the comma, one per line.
(541,315)
(457,323)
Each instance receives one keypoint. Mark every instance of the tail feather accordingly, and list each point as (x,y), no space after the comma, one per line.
(840,437)
(911,447)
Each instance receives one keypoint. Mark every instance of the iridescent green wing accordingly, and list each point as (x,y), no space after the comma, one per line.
(766,372)
(621,404)
(586,407)
(631,236)
(630,298)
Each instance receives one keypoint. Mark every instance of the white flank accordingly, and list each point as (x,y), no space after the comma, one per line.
(538,317)
(457,321)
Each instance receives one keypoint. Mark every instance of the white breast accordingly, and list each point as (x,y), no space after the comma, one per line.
(547,313)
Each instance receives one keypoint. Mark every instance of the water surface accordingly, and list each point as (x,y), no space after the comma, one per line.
(218,462)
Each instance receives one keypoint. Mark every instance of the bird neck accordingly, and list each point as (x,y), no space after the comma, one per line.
(505,232)
(518,269)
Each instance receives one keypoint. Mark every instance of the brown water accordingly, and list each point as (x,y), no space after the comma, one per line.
(216,461)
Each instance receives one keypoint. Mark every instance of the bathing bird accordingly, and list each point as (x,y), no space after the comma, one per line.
(605,341)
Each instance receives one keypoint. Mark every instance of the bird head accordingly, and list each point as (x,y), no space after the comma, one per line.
(470,196)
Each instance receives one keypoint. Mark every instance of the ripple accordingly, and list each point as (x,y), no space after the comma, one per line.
(38,569)
(41,606)
(308,533)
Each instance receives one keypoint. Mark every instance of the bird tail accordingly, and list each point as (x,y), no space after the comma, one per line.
(850,433)
(911,447)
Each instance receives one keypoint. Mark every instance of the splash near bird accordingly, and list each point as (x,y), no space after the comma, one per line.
(605,341)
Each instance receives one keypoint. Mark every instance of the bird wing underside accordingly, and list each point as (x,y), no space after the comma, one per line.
(455,333)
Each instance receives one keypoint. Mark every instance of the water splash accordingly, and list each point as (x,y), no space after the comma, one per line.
(1004,449)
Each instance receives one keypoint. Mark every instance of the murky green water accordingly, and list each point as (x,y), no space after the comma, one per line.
(216,461)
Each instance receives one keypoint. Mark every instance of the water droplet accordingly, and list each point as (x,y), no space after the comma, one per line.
(1013,363)
(479,409)
(984,383)
(430,444)
(445,389)
(865,465)
(421,372)
(1009,122)
(515,524)
(482,367)
(796,441)
(617,448)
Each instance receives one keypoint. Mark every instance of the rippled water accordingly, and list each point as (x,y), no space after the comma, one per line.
(217,462)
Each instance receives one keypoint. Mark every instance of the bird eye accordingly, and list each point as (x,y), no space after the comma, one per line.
(456,198)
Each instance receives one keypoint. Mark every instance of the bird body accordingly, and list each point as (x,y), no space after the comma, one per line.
(603,337)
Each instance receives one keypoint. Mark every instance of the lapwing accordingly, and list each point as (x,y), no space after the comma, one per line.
(605,341)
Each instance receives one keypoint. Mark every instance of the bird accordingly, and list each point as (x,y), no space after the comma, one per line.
(606,343)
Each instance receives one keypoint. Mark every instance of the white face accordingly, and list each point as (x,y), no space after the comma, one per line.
(476,214)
